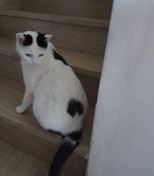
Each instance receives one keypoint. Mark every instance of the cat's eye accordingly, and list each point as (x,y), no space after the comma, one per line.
(29,55)
(40,55)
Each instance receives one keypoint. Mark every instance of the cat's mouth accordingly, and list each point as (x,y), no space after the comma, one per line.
(27,60)
(32,61)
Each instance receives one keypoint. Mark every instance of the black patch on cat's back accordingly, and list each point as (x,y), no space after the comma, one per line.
(75,106)
(59,57)
(28,40)
(41,40)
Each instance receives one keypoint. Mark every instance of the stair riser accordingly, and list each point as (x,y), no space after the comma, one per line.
(78,37)
(84,8)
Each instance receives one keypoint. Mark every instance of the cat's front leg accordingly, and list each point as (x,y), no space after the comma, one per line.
(27,101)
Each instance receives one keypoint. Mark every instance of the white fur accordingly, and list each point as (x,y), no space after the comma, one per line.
(49,85)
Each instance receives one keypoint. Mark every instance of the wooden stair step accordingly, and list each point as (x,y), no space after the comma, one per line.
(88,64)
(84,8)
(15,162)
(23,131)
(77,33)
(74,20)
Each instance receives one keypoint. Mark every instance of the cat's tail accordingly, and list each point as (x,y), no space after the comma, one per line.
(67,147)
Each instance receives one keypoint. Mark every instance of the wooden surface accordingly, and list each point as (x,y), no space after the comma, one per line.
(88,64)
(15,4)
(82,38)
(84,8)
(23,131)
(91,22)
(14,162)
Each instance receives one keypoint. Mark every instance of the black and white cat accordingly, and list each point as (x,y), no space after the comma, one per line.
(58,98)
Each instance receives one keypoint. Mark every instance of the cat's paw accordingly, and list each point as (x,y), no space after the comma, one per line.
(20,110)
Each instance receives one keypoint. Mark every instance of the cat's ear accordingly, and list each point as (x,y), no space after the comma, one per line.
(20,37)
(48,37)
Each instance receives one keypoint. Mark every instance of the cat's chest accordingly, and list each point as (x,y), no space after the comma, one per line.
(52,79)
(32,75)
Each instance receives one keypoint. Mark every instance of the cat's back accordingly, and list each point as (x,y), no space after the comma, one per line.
(55,97)
(61,81)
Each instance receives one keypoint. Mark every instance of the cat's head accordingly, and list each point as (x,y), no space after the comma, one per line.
(33,46)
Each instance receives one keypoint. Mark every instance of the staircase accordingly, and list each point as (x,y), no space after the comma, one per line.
(79,31)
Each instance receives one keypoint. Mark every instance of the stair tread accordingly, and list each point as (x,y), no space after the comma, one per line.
(93,22)
(13,162)
(11,93)
(89,64)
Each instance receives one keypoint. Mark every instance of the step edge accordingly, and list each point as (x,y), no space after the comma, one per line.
(89,22)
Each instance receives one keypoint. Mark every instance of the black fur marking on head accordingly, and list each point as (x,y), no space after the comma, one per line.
(41,40)
(75,106)
(28,40)
(59,57)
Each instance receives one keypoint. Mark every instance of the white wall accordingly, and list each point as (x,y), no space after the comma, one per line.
(123,135)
